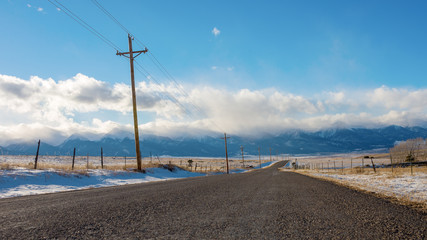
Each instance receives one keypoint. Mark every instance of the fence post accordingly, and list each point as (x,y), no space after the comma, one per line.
(363,164)
(342,166)
(37,155)
(87,161)
(125,162)
(391,163)
(74,157)
(373,165)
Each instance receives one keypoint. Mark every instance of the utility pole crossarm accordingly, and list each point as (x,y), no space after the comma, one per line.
(139,52)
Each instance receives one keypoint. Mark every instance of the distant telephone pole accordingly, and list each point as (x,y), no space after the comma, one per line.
(243,158)
(135,111)
(270,154)
(37,155)
(226,153)
(259,156)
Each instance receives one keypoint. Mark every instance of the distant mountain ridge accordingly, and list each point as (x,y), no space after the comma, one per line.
(339,140)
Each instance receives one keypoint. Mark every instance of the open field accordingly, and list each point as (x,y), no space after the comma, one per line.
(199,164)
(343,160)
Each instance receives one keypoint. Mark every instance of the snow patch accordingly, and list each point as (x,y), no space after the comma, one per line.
(21,181)
(403,187)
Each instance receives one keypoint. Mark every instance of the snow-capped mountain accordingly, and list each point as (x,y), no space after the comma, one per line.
(338,140)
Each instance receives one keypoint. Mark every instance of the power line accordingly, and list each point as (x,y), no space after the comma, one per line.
(153,58)
(110,43)
(111,16)
(158,65)
(84,24)
(105,11)
(168,95)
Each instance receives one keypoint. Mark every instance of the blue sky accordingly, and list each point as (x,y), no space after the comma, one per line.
(316,53)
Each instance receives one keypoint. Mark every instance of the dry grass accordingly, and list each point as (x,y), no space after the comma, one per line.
(392,172)
(204,165)
(375,155)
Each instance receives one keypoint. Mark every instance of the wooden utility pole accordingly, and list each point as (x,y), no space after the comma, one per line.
(243,158)
(270,154)
(226,152)
(259,156)
(74,157)
(135,111)
(37,155)
(102,159)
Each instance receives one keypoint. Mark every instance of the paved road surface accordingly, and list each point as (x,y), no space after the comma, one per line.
(265,204)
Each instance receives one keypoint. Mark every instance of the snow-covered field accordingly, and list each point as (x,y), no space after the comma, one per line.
(22,181)
(404,187)
(346,169)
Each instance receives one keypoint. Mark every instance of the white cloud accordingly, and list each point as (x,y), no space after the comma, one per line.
(49,109)
(38,9)
(214,67)
(216,31)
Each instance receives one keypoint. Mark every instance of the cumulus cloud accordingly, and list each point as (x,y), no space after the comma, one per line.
(54,104)
(48,109)
(216,31)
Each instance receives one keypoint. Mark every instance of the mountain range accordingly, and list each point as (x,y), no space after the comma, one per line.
(340,140)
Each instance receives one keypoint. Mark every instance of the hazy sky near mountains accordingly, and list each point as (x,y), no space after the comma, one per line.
(252,67)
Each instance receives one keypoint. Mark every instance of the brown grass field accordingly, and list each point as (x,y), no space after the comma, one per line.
(121,163)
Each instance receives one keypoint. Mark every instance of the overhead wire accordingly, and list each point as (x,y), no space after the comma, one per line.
(111,44)
(152,57)
(105,11)
(171,98)
(160,66)
(84,24)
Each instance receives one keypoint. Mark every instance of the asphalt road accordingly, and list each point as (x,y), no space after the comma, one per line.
(263,204)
